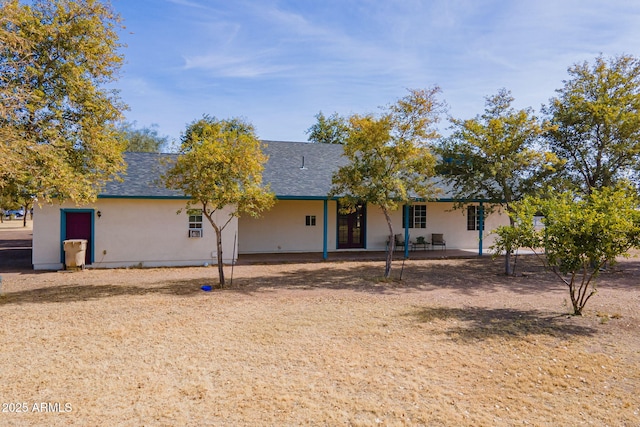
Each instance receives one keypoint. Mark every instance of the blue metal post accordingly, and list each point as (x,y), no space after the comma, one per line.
(325,224)
(406,231)
(480,226)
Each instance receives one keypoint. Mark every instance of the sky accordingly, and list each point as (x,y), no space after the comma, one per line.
(278,63)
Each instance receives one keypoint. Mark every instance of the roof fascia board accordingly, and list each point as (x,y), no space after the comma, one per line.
(106,196)
(417,199)
(305,198)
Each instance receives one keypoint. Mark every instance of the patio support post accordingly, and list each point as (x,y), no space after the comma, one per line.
(325,225)
(480,227)
(406,231)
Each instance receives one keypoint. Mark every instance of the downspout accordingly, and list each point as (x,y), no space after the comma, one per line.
(406,231)
(480,227)
(325,225)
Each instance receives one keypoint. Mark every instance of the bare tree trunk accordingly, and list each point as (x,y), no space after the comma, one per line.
(392,245)
(508,271)
(26,212)
(507,263)
(218,230)
(220,263)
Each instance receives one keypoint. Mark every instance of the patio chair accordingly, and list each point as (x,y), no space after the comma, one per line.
(420,241)
(399,241)
(438,240)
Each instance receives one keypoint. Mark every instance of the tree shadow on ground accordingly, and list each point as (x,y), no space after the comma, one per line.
(78,292)
(478,323)
(362,278)
(623,275)
(470,276)
(465,276)
(487,275)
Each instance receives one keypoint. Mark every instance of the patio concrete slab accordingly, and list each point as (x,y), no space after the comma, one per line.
(298,257)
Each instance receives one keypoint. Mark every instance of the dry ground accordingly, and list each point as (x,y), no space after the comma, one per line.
(453,343)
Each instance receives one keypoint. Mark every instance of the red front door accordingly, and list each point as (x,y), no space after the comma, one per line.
(78,226)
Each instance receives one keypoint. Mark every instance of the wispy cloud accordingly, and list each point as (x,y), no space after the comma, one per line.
(278,62)
(188,3)
(292,46)
(234,65)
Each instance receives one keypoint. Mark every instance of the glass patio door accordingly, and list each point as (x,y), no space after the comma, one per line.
(351,229)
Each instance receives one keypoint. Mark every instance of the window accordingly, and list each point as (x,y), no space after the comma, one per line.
(473,218)
(310,220)
(195,222)
(417,216)
(538,223)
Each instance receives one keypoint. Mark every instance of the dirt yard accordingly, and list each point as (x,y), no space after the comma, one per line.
(453,343)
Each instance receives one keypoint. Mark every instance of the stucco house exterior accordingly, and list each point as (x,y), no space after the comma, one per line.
(134,222)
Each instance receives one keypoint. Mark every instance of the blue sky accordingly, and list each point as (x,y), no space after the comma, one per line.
(278,63)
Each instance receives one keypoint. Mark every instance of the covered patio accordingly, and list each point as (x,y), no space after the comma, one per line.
(304,257)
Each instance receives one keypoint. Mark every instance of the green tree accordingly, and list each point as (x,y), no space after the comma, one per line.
(7,202)
(18,192)
(14,55)
(58,129)
(390,162)
(581,233)
(145,139)
(496,156)
(220,166)
(596,118)
(329,130)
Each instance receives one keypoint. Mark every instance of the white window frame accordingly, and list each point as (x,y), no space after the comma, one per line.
(195,222)
(310,220)
(416,216)
(473,214)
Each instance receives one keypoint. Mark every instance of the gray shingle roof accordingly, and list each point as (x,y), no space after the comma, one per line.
(142,178)
(283,171)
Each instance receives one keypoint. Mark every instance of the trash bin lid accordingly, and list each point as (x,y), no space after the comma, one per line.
(75,242)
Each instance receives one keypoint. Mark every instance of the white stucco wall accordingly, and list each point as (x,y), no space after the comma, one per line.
(283,229)
(377,228)
(452,223)
(441,218)
(133,232)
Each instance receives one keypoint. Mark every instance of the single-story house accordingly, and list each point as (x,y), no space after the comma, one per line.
(134,222)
